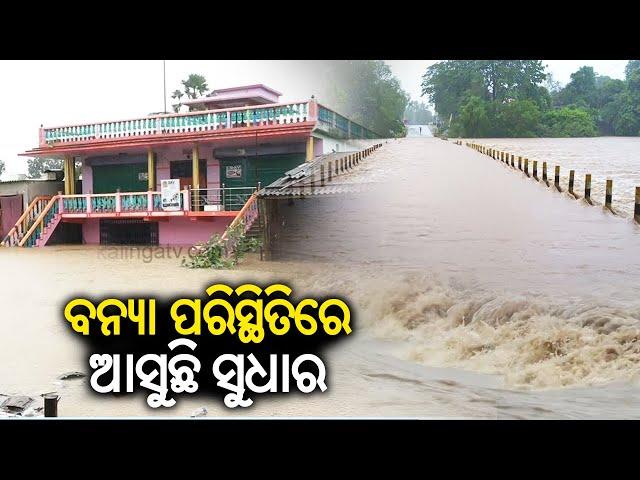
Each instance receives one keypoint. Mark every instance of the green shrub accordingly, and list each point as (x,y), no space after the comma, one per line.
(223,254)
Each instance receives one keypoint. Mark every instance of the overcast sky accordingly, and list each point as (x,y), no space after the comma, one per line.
(56,93)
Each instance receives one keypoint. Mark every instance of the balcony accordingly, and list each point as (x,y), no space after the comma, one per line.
(194,203)
(181,124)
(36,225)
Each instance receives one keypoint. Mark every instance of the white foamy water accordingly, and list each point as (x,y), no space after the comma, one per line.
(616,158)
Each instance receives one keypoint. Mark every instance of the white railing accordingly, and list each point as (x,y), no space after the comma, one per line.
(179,123)
(229,199)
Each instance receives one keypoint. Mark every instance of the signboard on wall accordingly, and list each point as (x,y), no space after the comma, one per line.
(233,171)
(170,195)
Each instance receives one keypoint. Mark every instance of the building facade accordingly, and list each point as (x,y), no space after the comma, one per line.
(230,144)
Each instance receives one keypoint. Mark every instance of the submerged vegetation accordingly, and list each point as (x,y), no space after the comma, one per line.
(519,98)
(219,253)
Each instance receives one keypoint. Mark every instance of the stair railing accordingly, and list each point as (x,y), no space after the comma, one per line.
(25,221)
(247,215)
(39,223)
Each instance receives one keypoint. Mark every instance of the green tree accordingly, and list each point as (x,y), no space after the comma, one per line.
(569,122)
(37,166)
(512,79)
(448,85)
(619,103)
(473,120)
(518,118)
(581,91)
(621,115)
(632,66)
(177,95)
(368,93)
(454,85)
(1,167)
(195,86)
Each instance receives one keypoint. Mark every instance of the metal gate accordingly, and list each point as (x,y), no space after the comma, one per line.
(128,232)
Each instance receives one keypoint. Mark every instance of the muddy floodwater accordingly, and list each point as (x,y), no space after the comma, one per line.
(477,293)
(615,158)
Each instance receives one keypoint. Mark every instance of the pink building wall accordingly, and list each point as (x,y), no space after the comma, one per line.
(175,231)
(184,231)
(91,231)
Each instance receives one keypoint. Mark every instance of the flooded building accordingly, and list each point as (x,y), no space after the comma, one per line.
(178,178)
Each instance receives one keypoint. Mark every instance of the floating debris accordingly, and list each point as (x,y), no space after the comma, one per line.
(33,412)
(200,412)
(71,375)
(16,403)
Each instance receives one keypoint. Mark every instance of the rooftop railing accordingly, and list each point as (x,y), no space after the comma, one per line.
(342,126)
(191,122)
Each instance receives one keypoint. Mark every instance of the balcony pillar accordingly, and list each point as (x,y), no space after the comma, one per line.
(151,169)
(69,175)
(195,156)
(309,148)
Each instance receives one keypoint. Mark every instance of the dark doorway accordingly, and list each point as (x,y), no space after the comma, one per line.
(183,170)
(66,233)
(128,232)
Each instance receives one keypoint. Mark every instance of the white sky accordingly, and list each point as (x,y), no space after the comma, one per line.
(64,92)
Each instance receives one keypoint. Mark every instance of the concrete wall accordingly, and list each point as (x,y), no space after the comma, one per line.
(29,189)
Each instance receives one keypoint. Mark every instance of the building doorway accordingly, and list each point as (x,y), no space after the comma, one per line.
(183,171)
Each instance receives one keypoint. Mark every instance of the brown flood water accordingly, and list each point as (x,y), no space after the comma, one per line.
(477,294)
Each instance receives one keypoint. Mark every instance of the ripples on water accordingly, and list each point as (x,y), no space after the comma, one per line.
(616,158)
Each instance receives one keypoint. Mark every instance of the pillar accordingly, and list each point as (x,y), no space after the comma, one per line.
(151,170)
(309,148)
(572,174)
(608,194)
(69,175)
(195,159)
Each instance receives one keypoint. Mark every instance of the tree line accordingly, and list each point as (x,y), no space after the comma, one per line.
(367,92)
(519,98)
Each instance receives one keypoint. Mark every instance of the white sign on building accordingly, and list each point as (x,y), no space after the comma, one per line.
(170,194)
